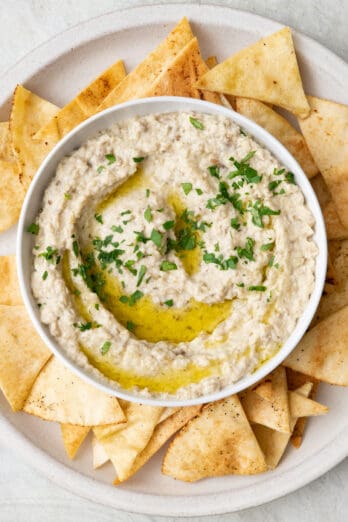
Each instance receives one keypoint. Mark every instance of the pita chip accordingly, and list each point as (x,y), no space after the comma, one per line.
(334,226)
(100,457)
(6,146)
(73,437)
(301,406)
(59,395)
(281,129)
(266,71)
(22,355)
(11,194)
(195,454)
(323,351)
(9,289)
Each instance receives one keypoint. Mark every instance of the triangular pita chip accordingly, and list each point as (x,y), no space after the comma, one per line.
(326,134)
(162,433)
(138,83)
(123,446)
(323,351)
(29,113)
(100,457)
(301,406)
(22,355)
(166,413)
(73,436)
(218,442)
(266,71)
(6,146)
(59,395)
(11,194)
(82,106)
(9,288)
(334,226)
(281,129)
(321,190)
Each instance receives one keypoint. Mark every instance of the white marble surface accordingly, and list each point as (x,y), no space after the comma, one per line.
(24,494)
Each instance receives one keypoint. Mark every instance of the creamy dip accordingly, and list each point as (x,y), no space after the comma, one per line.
(174,255)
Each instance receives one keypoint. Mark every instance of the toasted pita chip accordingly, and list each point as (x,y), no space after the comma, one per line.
(11,194)
(59,395)
(325,131)
(180,77)
(9,288)
(321,190)
(267,71)
(162,433)
(139,82)
(334,226)
(323,351)
(125,445)
(22,355)
(166,413)
(268,403)
(281,129)
(82,106)
(218,442)
(29,113)
(6,146)
(73,437)
(100,457)
(301,406)
(274,443)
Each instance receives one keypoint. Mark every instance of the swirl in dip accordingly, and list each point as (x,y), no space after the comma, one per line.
(174,255)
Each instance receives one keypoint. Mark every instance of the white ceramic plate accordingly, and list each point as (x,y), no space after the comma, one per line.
(57,70)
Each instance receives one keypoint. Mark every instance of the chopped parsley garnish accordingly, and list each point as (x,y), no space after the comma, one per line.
(244,170)
(258,210)
(110,158)
(100,168)
(135,297)
(248,250)
(257,288)
(168,265)
(186,187)
(235,223)
(141,274)
(147,192)
(272,185)
(241,285)
(140,238)
(169,302)
(196,123)
(117,228)
(96,306)
(130,326)
(214,171)
(105,348)
(75,247)
(44,275)
(99,218)
(156,237)
(83,326)
(51,255)
(224,264)
(125,212)
(199,191)
(33,228)
(148,215)
(139,159)
(130,266)
(168,225)
(290,178)
(267,246)
(124,299)
(242,132)
(67,196)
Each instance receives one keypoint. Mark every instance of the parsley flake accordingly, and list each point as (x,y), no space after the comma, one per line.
(148,215)
(186,187)
(168,265)
(110,158)
(33,228)
(99,218)
(196,123)
(105,348)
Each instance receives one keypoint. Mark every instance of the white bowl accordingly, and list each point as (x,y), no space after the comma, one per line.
(90,128)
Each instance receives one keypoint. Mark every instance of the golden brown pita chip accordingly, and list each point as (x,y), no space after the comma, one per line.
(323,351)
(82,106)
(228,101)
(9,288)
(123,446)
(22,355)
(271,408)
(73,437)
(266,71)
(29,113)
(138,83)
(100,456)
(180,77)
(325,131)
(281,129)
(11,194)
(218,442)
(6,146)
(59,395)
(301,406)
(162,433)
(321,190)
(166,413)
(334,226)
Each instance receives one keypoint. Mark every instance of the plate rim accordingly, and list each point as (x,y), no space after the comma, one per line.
(72,480)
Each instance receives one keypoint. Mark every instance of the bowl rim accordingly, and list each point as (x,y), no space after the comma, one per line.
(262,137)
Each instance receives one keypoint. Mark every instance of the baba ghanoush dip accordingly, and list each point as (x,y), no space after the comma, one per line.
(174,255)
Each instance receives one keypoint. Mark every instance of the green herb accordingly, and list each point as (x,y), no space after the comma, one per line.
(186,187)
(129,265)
(214,171)
(125,212)
(278,172)
(75,247)
(111,158)
(99,218)
(135,297)
(100,168)
(242,132)
(169,303)
(96,306)
(83,326)
(140,238)
(224,264)
(142,272)
(124,299)
(168,265)
(258,210)
(290,178)
(268,246)
(67,196)
(241,285)
(199,191)
(248,250)
(33,228)
(272,185)
(244,170)
(217,247)
(45,275)
(117,228)
(147,192)
(168,225)
(139,159)
(271,261)
(196,123)
(105,348)
(50,254)
(148,215)
(257,288)
(130,326)
(235,223)
(156,237)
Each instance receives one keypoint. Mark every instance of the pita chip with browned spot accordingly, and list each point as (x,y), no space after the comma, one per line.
(138,83)
(281,129)
(6,145)
(266,71)
(323,351)
(60,395)
(334,226)
(22,355)
(217,442)
(73,437)
(325,132)
(9,288)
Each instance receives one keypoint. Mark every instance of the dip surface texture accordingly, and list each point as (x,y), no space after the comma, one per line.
(174,255)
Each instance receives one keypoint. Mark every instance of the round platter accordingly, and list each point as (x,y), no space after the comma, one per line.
(57,70)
